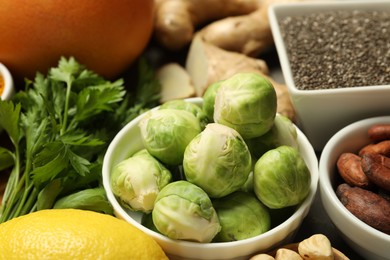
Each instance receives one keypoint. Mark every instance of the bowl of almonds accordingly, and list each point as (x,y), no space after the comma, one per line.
(335,60)
(355,185)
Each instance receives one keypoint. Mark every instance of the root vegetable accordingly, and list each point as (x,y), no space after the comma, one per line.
(350,169)
(175,82)
(366,205)
(285,107)
(177,20)
(249,34)
(207,64)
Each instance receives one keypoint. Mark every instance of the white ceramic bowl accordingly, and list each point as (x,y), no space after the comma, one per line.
(367,241)
(322,112)
(8,90)
(128,141)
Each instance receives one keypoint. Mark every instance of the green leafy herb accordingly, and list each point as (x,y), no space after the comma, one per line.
(88,199)
(55,127)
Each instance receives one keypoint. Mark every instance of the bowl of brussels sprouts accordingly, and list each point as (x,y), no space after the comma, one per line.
(218,177)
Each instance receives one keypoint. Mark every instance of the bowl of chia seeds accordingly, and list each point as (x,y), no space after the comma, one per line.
(335,59)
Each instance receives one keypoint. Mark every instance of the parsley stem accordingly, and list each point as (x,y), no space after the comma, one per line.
(67,97)
(29,204)
(23,198)
(14,185)
(13,201)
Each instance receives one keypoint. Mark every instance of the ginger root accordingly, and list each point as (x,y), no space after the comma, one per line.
(175,82)
(177,20)
(207,64)
(249,34)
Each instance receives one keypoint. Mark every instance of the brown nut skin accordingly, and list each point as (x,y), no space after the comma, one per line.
(350,169)
(379,132)
(366,205)
(382,147)
(384,194)
(377,169)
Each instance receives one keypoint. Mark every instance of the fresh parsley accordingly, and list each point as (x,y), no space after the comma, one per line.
(60,126)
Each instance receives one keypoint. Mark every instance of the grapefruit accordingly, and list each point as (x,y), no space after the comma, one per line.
(105,35)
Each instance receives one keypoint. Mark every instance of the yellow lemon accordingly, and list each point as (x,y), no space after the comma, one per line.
(74,234)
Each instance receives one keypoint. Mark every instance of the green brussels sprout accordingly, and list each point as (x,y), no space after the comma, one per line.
(217,160)
(181,104)
(248,185)
(165,133)
(241,216)
(246,102)
(281,178)
(283,132)
(137,180)
(183,211)
(209,100)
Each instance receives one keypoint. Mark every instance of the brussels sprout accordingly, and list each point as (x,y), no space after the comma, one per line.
(181,104)
(209,100)
(246,102)
(165,133)
(248,185)
(184,211)
(241,216)
(137,180)
(281,178)
(217,160)
(283,132)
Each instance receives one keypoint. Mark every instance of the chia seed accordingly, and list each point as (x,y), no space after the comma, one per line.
(338,49)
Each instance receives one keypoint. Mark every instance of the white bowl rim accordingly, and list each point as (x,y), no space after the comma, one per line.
(8,82)
(324,179)
(282,52)
(304,206)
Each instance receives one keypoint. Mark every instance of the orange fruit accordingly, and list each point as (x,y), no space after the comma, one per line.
(105,35)
(74,234)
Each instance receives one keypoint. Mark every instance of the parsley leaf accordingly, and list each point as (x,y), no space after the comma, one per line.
(9,119)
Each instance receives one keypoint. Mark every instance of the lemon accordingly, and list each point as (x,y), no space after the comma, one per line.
(74,234)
